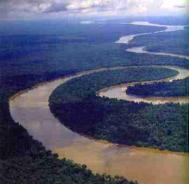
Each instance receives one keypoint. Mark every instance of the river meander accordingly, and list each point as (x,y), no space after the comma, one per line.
(148,166)
(31,109)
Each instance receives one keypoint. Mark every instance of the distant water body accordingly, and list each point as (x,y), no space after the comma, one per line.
(168,28)
(86,22)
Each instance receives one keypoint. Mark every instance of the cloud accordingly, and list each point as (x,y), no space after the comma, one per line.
(19,8)
(42,8)
(181,6)
(92,6)
(56,7)
(79,6)
(130,7)
(174,5)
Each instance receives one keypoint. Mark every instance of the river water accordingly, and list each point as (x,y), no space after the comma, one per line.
(119,91)
(30,108)
(142,50)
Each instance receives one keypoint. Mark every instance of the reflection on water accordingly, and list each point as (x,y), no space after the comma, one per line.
(145,165)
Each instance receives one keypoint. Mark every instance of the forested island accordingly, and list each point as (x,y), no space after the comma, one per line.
(76,105)
(161,89)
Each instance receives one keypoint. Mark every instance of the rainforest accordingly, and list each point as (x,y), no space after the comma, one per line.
(55,127)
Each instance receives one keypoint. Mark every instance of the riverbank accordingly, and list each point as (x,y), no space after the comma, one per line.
(119,91)
(32,111)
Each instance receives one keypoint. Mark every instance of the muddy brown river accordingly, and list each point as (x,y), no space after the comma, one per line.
(147,166)
(119,91)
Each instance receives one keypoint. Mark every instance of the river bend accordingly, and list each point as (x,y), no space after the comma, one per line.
(148,166)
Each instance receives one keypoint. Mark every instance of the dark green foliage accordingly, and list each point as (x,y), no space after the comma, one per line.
(45,168)
(161,126)
(88,85)
(175,88)
(24,160)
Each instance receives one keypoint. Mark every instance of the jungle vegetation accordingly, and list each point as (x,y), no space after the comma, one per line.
(76,105)
(168,89)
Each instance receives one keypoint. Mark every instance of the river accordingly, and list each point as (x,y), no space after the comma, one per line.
(118,91)
(30,108)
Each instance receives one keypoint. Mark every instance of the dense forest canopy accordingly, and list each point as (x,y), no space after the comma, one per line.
(76,105)
(168,89)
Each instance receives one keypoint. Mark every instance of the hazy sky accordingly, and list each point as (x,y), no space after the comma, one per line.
(24,9)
